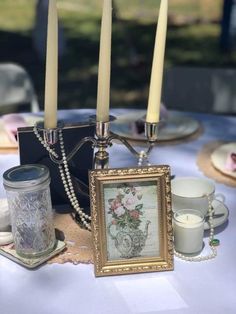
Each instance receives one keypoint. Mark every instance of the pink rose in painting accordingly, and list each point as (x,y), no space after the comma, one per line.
(129,201)
(134,214)
(119,211)
(126,208)
(115,204)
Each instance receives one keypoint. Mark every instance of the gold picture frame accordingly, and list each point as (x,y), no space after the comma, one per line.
(131,220)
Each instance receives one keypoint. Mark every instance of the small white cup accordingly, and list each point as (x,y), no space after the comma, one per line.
(191,192)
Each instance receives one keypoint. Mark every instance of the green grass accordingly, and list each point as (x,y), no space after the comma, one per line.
(132,45)
(16,16)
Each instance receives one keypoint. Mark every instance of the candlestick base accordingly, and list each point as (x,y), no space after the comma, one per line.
(101,160)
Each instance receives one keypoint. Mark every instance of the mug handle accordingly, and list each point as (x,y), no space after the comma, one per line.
(220,197)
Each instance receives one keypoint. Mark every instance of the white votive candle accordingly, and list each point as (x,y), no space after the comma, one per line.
(188,227)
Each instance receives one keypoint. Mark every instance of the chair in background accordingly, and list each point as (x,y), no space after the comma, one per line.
(16,87)
(208,90)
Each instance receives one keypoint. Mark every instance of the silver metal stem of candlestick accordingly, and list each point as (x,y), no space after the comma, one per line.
(50,136)
(151,131)
(102,129)
(101,158)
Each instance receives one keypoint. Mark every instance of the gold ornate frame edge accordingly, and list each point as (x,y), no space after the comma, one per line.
(127,266)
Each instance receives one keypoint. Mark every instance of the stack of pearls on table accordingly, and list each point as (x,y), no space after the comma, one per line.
(5,228)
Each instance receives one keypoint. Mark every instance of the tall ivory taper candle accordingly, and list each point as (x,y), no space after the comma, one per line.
(154,101)
(51,79)
(104,67)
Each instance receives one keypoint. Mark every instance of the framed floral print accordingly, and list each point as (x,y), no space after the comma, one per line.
(131,220)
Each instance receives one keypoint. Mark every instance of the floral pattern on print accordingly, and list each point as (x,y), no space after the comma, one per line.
(126,207)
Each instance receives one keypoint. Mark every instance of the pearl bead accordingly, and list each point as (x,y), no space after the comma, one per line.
(65,176)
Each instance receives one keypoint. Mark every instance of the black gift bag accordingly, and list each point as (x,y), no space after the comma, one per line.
(32,152)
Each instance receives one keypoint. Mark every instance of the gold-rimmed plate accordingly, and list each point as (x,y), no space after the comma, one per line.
(175,127)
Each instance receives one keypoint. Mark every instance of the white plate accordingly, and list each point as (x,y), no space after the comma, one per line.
(219,156)
(175,127)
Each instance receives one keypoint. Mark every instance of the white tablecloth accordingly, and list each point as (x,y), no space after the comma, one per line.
(205,287)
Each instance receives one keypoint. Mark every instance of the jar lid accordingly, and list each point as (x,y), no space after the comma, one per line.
(25,176)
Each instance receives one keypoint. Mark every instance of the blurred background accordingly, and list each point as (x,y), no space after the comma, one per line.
(200,51)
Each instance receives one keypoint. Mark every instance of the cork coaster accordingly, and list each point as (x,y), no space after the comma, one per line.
(205,165)
(78,242)
(6,151)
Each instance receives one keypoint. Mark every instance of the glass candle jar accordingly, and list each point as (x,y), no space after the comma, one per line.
(188,225)
(29,200)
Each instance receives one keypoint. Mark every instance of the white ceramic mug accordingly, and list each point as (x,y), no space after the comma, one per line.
(192,192)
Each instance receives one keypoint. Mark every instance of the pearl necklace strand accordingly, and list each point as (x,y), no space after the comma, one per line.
(65,176)
(143,157)
(212,243)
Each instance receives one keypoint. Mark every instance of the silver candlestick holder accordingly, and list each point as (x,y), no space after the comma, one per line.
(102,140)
(105,139)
